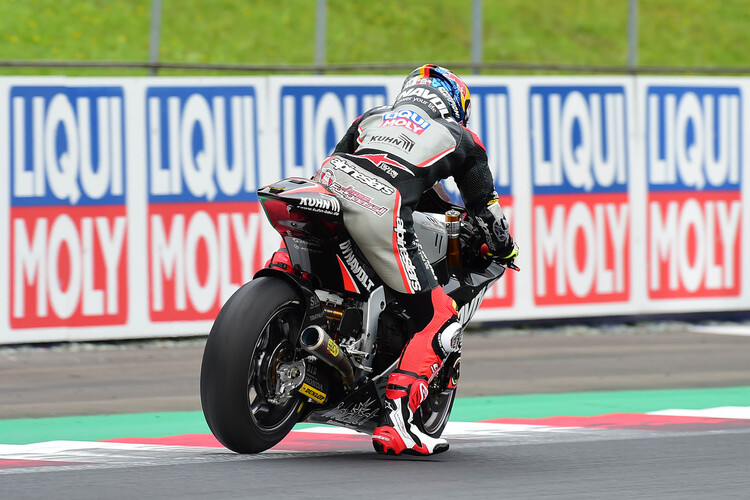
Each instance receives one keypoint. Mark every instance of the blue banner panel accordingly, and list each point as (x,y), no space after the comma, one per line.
(313,118)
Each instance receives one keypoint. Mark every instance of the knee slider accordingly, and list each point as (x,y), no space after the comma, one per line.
(450,338)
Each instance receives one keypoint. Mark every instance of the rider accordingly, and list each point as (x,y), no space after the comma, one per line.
(389,156)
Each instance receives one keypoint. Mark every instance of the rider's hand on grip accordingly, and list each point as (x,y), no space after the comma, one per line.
(507,260)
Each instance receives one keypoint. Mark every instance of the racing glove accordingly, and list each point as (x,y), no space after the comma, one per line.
(500,244)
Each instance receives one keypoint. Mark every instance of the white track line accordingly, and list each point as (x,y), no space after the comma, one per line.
(738,412)
(740,330)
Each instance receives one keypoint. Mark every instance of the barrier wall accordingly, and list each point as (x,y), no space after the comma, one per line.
(128,206)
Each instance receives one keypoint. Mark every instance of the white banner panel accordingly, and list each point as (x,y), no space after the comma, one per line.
(128,205)
(693,136)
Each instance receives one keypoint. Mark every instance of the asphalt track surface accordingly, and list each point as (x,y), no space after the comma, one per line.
(626,462)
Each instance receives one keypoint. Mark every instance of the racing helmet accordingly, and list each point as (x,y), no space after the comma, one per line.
(448,85)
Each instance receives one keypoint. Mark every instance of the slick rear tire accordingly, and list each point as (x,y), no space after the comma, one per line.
(240,355)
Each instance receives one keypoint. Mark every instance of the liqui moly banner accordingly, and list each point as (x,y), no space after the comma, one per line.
(312,118)
(694,152)
(204,221)
(490,120)
(578,136)
(67,220)
(128,206)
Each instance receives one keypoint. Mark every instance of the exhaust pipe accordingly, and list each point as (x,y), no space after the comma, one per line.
(317,342)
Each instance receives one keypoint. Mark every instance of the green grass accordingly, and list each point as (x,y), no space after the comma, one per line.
(672,32)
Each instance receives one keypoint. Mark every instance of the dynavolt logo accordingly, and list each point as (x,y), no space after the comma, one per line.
(68,224)
(578,137)
(202,172)
(314,118)
(693,155)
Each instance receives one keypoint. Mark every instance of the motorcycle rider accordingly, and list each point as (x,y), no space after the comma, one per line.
(388,157)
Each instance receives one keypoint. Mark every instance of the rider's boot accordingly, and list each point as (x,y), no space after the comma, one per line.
(397,432)
(408,384)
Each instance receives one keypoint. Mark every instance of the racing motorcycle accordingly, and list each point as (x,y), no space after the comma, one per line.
(317,340)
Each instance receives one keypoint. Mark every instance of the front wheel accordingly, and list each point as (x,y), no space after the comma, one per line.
(247,344)
(434,412)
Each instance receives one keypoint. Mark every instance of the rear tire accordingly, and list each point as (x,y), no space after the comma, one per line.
(244,347)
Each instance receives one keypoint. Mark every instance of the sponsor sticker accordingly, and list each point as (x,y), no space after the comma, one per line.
(332,348)
(328,205)
(408,119)
(355,266)
(312,393)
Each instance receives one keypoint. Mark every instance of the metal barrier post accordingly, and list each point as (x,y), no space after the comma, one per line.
(154,36)
(321,16)
(632,34)
(476,35)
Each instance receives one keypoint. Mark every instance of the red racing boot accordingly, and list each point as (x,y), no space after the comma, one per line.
(397,432)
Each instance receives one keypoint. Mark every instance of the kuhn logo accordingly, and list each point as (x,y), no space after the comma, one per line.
(410,120)
(326,205)
(401,142)
(355,266)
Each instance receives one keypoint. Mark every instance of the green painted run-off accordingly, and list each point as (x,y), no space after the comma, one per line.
(100,427)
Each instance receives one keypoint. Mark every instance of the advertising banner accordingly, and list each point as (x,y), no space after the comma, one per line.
(128,206)
(694,151)
(490,120)
(580,209)
(311,118)
(203,215)
(68,251)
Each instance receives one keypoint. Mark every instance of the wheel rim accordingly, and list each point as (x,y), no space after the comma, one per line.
(436,408)
(267,416)
(435,411)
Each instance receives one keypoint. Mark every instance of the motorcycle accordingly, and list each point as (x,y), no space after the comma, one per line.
(316,341)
